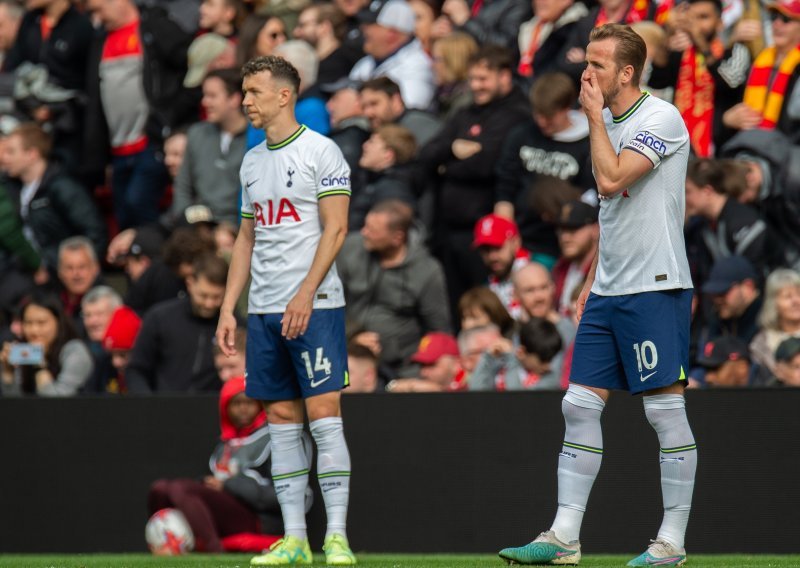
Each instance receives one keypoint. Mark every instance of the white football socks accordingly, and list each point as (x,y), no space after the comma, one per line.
(290,476)
(333,471)
(579,460)
(678,457)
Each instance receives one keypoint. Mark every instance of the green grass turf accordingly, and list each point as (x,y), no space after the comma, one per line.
(367,560)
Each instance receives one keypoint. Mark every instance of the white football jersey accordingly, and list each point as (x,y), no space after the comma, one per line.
(641,228)
(281,186)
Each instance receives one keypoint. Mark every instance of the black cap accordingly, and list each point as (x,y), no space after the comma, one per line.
(148,242)
(340,85)
(576,214)
(728,271)
(787,349)
(722,349)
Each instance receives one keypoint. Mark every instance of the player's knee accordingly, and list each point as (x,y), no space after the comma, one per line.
(659,410)
(582,397)
(285,412)
(323,406)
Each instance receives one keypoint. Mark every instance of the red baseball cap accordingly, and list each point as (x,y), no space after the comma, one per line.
(433,345)
(493,230)
(122,329)
(789,8)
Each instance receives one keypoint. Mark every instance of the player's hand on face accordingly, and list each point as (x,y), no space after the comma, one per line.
(591,97)
(298,312)
(226,330)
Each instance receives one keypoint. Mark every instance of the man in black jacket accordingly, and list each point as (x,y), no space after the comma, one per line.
(52,205)
(54,35)
(465,152)
(552,144)
(135,98)
(174,349)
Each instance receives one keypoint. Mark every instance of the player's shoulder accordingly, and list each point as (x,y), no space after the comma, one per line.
(315,141)
(655,106)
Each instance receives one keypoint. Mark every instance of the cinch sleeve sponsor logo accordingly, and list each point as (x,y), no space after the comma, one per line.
(336,181)
(651,141)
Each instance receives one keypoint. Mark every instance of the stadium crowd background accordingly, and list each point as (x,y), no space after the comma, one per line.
(473,219)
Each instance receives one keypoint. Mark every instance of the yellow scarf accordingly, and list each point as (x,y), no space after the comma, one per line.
(763,97)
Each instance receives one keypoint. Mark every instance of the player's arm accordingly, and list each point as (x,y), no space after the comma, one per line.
(613,173)
(238,273)
(333,216)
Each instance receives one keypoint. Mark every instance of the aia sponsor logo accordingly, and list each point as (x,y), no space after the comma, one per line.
(275,212)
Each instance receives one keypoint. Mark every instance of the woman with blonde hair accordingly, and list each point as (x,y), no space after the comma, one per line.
(779,317)
(451,55)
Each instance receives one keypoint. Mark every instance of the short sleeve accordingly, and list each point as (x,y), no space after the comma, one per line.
(247,211)
(659,135)
(332,173)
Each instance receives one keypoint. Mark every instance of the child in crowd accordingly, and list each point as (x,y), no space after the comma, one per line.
(528,366)
(235,506)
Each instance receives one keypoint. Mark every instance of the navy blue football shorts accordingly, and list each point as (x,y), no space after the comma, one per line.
(282,369)
(635,342)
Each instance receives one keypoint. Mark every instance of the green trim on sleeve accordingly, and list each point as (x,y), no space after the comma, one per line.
(334,192)
(248,215)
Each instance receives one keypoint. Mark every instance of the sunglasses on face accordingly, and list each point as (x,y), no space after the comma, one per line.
(774,16)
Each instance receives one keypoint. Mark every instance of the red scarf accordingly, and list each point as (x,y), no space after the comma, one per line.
(763,97)
(694,98)
(525,67)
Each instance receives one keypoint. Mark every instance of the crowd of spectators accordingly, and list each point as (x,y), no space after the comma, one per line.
(474,214)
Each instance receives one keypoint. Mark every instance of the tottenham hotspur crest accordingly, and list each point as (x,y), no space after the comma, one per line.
(290,173)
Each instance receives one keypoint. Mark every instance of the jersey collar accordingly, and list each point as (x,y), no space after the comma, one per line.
(289,140)
(628,113)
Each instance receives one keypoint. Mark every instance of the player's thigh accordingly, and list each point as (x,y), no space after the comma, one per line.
(595,361)
(319,355)
(652,330)
(270,374)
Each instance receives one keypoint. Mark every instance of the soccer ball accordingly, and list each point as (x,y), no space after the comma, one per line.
(168,533)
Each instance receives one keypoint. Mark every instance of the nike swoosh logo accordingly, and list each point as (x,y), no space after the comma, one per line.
(643,379)
(252,182)
(315,384)
(560,554)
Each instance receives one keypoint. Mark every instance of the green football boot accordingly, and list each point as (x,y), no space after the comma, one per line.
(337,551)
(288,551)
(546,549)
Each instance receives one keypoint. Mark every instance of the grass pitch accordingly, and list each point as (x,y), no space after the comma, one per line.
(367,560)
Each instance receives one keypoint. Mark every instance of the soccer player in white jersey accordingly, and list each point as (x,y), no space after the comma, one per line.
(295,196)
(635,307)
